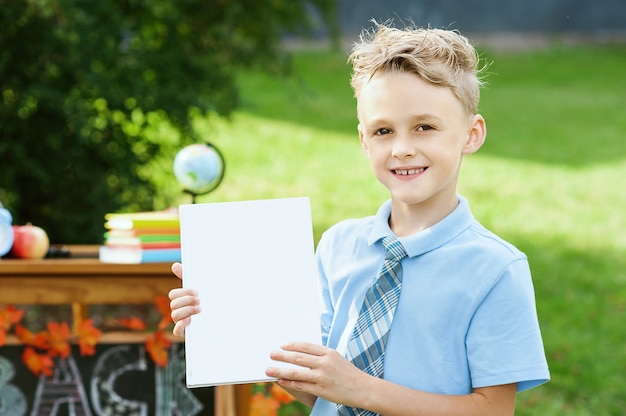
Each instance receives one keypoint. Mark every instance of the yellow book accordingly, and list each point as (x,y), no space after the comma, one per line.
(139,220)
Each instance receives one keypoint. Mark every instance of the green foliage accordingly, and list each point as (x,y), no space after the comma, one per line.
(97,96)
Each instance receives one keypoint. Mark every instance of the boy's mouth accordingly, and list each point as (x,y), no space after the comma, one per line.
(404,172)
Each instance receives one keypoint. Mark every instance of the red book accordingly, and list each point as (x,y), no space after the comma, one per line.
(137,232)
(146,245)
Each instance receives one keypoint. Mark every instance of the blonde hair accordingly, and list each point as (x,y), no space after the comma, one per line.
(441,57)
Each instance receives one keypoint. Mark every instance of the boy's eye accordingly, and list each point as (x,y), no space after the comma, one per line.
(382,131)
(424,127)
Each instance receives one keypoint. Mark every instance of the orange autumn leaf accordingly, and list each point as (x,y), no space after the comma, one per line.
(157,346)
(10,315)
(88,337)
(164,323)
(262,405)
(163,306)
(133,323)
(24,335)
(281,394)
(38,340)
(3,337)
(38,364)
(59,336)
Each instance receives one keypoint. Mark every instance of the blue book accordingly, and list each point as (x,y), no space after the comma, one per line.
(134,255)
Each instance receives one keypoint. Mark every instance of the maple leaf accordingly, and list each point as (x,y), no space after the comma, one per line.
(262,405)
(88,337)
(38,340)
(10,315)
(59,337)
(132,323)
(163,306)
(157,345)
(281,394)
(38,364)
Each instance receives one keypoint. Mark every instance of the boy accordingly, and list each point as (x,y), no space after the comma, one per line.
(464,336)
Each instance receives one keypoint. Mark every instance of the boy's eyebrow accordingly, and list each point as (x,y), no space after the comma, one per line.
(427,116)
(415,118)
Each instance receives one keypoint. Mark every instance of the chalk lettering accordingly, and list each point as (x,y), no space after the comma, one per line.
(111,365)
(64,390)
(173,397)
(12,400)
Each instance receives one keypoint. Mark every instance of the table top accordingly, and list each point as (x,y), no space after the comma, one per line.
(83,260)
(82,278)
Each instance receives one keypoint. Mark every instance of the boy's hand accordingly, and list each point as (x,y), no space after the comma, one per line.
(184,303)
(329,375)
(326,374)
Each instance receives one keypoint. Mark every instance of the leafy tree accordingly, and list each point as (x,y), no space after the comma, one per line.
(87,87)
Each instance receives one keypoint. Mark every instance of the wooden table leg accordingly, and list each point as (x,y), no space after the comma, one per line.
(225,404)
(79,314)
(242,397)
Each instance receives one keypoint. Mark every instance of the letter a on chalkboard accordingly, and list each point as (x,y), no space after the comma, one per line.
(65,386)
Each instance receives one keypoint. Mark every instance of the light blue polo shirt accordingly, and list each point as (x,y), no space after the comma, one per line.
(466,316)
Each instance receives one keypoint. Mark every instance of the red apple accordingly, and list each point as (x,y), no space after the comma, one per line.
(30,242)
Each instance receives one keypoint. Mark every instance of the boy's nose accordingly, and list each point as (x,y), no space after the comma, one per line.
(403,148)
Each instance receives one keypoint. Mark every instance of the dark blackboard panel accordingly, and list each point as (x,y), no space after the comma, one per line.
(120,380)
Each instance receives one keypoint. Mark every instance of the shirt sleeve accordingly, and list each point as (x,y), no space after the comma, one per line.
(325,302)
(504,342)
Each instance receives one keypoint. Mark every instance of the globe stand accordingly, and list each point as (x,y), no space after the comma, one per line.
(215,182)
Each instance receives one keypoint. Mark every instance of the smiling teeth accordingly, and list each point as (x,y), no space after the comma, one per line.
(408,171)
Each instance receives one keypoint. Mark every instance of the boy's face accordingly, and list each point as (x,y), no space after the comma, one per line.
(415,135)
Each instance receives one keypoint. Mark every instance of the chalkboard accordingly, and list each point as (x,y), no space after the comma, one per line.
(120,380)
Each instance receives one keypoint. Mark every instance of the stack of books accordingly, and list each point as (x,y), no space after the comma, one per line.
(141,237)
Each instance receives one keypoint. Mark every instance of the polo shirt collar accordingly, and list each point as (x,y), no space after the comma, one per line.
(429,239)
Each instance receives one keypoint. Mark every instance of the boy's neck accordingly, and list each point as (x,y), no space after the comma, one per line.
(406,220)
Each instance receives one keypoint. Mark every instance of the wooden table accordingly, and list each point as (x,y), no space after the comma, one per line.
(82,280)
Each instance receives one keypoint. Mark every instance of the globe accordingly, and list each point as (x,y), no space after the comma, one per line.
(199,168)
(6,231)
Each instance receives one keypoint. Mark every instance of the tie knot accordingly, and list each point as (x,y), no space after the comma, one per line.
(393,249)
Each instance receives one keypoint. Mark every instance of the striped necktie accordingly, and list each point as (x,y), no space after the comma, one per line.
(366,347)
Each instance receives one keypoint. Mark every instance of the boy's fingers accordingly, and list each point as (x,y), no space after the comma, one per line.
(182,302)
(306,347)
(183,313)
(177,269)
(185,306)
(180,292)
(179,328)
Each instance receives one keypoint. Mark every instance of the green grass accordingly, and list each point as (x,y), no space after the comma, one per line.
(550,179)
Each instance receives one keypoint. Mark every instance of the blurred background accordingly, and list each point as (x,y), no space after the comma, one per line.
(97,98)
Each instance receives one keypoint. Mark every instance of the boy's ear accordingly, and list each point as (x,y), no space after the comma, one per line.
(477,134)
(361,139)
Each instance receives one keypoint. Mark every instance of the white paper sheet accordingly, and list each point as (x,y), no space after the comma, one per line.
(252,263)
